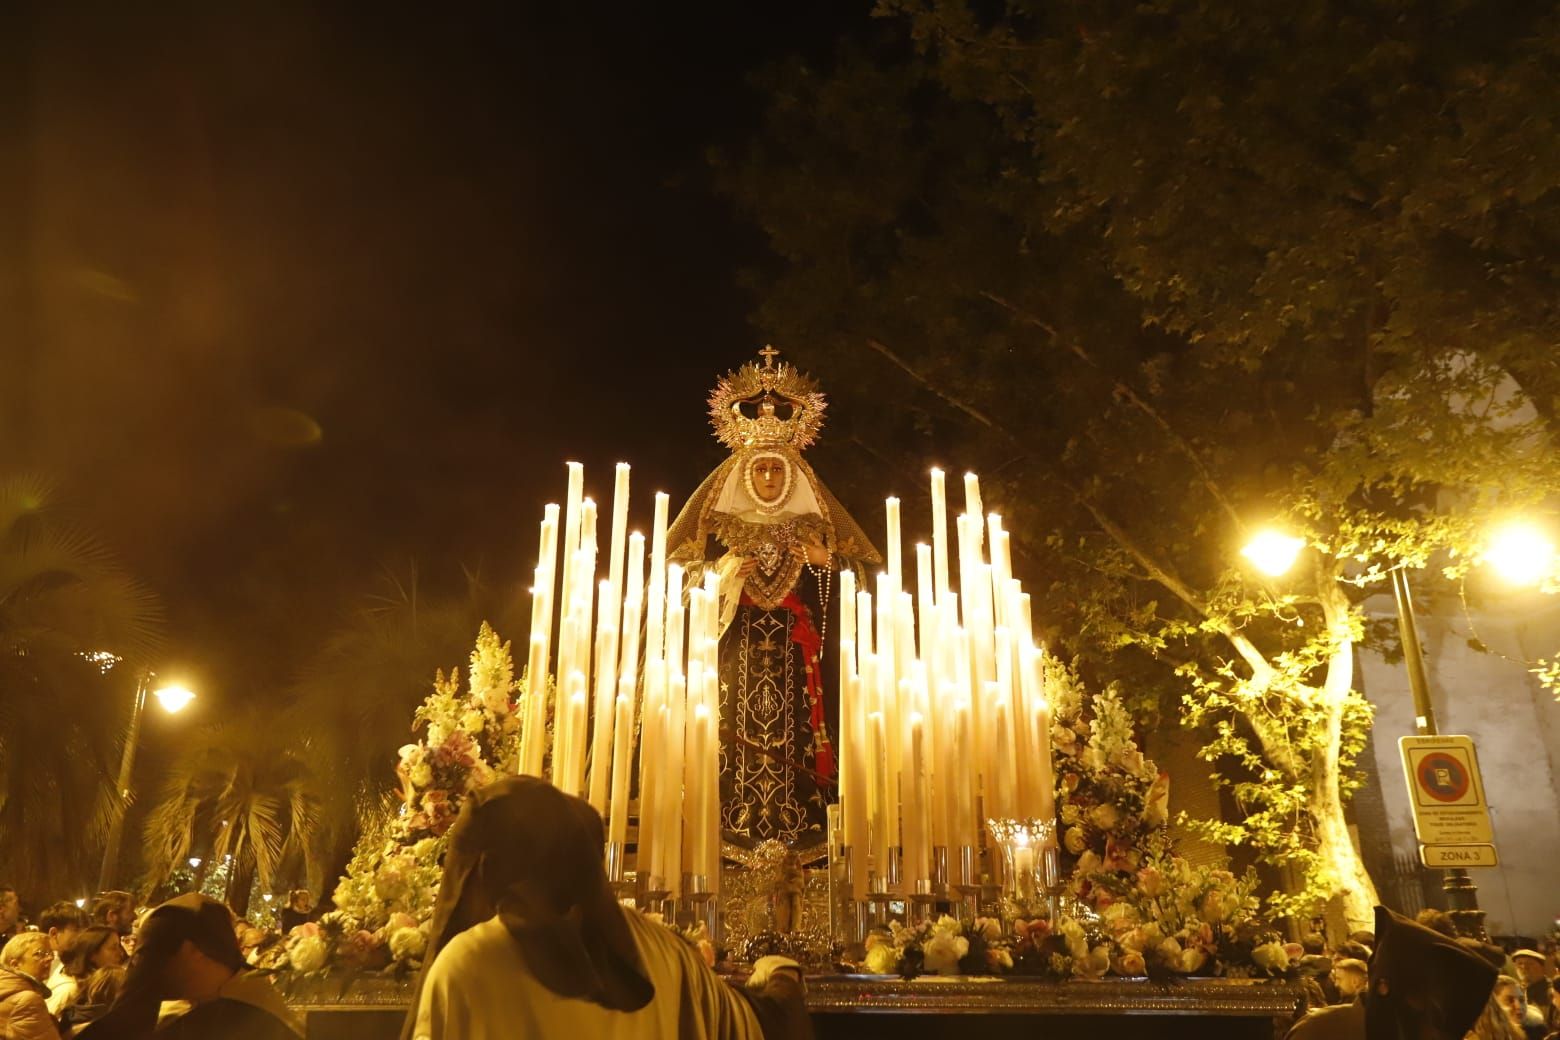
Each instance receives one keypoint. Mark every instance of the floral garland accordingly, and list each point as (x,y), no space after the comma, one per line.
(385,901)
(1131,907)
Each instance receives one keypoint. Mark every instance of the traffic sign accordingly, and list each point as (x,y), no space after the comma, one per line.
(1449,856)
(1451,817)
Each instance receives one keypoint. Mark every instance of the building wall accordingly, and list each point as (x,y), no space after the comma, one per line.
(1515,725)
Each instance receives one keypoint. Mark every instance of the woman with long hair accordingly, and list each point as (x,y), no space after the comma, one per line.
(90,949)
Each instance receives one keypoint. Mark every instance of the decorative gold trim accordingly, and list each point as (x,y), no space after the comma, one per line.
(836,994)
(736,431)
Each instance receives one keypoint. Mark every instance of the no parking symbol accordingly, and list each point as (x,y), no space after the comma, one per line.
(1451,818)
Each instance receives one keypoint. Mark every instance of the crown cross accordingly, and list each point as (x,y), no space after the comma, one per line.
(769,353)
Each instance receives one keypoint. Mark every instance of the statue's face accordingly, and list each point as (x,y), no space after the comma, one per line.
(768,479)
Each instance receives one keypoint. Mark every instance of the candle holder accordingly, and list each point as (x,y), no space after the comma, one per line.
(921,902)
(1021,842)
(699,904)
(964,886)
(655,895)
(850,917)
(1051,877)
(893,868)
(616,853)
(940,870)
(879,896)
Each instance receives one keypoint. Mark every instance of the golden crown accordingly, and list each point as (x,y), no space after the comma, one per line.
(766,387)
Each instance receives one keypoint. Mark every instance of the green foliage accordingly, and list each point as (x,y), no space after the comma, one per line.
(363,685)
(247,791)
(62,595)
(1161,272)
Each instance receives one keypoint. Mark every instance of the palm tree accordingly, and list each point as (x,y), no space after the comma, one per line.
(62,596)
(247,791)
(360,690)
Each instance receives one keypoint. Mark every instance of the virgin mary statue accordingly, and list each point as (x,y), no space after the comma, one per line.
(776,537)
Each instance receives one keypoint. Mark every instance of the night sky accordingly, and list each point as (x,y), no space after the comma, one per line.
(295,295)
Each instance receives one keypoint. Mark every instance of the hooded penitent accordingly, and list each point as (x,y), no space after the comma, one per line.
(524,849)
(528,939)
(1423,984)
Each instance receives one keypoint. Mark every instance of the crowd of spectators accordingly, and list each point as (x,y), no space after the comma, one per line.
(1523,1004)
(66,967)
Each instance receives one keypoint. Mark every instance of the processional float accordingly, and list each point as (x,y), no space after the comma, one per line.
(945,780)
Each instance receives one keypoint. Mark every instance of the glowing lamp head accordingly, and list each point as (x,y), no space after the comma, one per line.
(174,699)
(1273,552)
(1522,554)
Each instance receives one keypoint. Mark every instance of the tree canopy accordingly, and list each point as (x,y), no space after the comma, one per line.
(1165,272)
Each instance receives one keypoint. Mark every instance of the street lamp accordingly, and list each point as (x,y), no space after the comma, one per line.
(1521,553)
(1461,893)
(173,699)
(1273,552)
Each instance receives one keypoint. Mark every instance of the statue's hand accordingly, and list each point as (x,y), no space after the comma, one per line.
(812,552)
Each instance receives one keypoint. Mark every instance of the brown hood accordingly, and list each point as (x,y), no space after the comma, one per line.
(536,853)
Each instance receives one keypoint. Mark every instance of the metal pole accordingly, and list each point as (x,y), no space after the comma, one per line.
(1462,895)
(116,831)
(1413,656)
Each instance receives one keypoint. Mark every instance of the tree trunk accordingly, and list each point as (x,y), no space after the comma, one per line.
(1353,891)
(240,882)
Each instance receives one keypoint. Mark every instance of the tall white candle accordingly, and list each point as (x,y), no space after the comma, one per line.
(1000,568)
(848,620)
(675,620)
(655,603)
(633,606)
(606,683)
(853,784)
(964,826)
(652,753)
(622,766)
(674,796)
(1002,798)
(571,535)
(940,533)
(711,806)
(1005,695)
(894,556)
(918,862)
(881,811)
(888,694)
(864,618)
(972,503)
(571,779)
(533,747)
(697,785)
(1040,728)
(585,576)
(619,528)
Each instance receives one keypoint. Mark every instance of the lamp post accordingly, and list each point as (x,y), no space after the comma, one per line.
(1462,895)
(173,700)
(1274,553)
